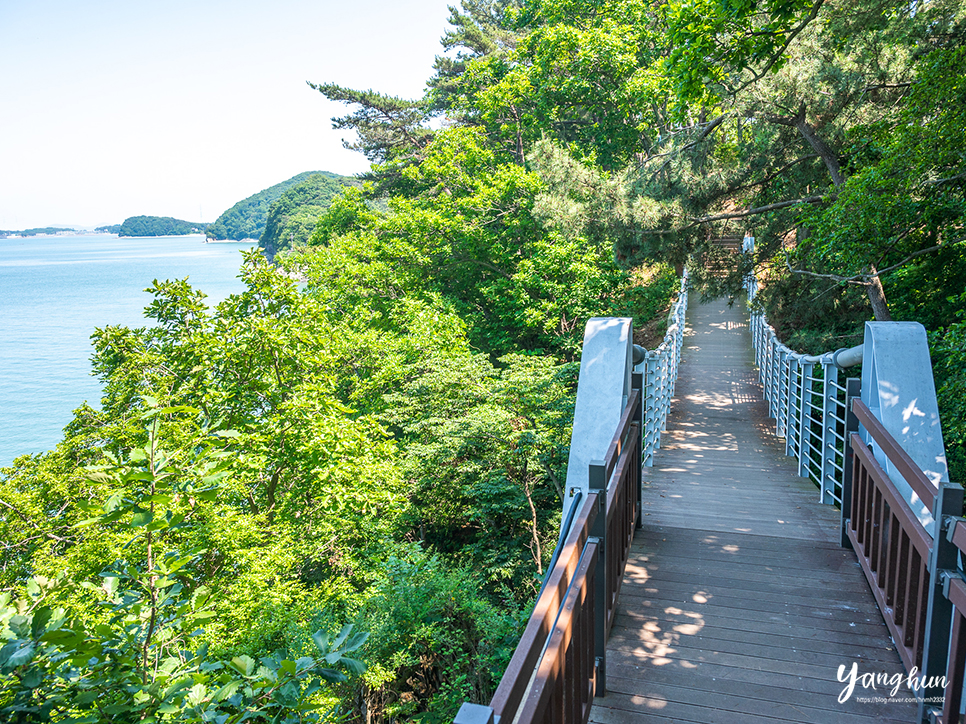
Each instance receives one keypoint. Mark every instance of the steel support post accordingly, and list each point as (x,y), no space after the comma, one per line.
(804,429)
(943,562)
(853,390)
(781,386)
(794,410)
(651,413)
(830,395)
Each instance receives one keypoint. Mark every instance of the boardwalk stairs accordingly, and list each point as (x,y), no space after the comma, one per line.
(748,537)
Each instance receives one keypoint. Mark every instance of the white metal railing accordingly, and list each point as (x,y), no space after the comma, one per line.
(806,397)
(660,370)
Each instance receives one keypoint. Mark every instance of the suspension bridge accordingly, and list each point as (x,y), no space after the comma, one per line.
(749,537)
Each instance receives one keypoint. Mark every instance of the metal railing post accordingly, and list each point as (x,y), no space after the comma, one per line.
(803,428)
(793,410)
(853,390)
(784,393)
(598,482)
(651,411)
(829,406)
(943,562)
(774,349)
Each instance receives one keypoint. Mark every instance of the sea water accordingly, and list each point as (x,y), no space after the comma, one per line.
(55,291)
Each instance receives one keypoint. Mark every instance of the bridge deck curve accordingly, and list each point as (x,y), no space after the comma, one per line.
(738,605)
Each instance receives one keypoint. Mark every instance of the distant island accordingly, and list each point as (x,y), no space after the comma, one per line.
(40,231)
(279,217)
(158,226)
(247,219)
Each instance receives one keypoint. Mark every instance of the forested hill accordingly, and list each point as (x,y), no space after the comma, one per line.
(247,218)
(385,444)
(158,226)
(292,217)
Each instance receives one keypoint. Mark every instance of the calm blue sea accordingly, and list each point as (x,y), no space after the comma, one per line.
(54,291)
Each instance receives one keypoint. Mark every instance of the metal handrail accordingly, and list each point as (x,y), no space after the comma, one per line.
(802,412)
(660,370)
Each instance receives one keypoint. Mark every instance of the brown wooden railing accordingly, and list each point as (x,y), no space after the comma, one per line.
(559,665)
(915,577)
(954,591)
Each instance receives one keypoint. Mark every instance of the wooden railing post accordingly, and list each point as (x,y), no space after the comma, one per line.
(853,390)
(943,562)
(598,482)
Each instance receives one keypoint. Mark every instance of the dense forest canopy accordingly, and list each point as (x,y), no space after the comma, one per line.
(293,215)
(384,448)
(247,218)
(158,226)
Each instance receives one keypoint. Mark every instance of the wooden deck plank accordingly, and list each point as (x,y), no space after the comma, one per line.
(794,690)
(738,605)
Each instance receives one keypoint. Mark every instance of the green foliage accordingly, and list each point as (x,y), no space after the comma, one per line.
(948,350)
(486,451)
(247,218)
(158,226)
(908,197)
(138,661)
(434,642)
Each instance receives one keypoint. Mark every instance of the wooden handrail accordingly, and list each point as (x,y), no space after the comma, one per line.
(906,466)
(623,427)
(899,506)
(559,664)
(567,629)
(509,694)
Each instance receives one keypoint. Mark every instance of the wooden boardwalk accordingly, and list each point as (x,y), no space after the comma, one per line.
(738,605)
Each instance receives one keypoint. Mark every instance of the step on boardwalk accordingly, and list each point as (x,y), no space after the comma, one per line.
(738,605)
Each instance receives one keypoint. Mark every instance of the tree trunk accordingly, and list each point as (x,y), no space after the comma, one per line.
(821,148)
(877,298)
(817,143)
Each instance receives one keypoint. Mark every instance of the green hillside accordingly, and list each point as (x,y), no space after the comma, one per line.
(247,218)
(291,219)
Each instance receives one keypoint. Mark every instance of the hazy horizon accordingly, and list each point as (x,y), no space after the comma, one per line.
(114,110)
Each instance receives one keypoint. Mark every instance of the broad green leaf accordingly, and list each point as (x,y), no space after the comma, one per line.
(39,624)
(113,502)
(226,691)
(32,679)
(16,653)
(141,517)
(244,664)
(321,639)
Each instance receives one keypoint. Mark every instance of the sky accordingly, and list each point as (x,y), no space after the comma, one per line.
(118,108)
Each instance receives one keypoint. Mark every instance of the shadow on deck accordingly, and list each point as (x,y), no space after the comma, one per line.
(738,604)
